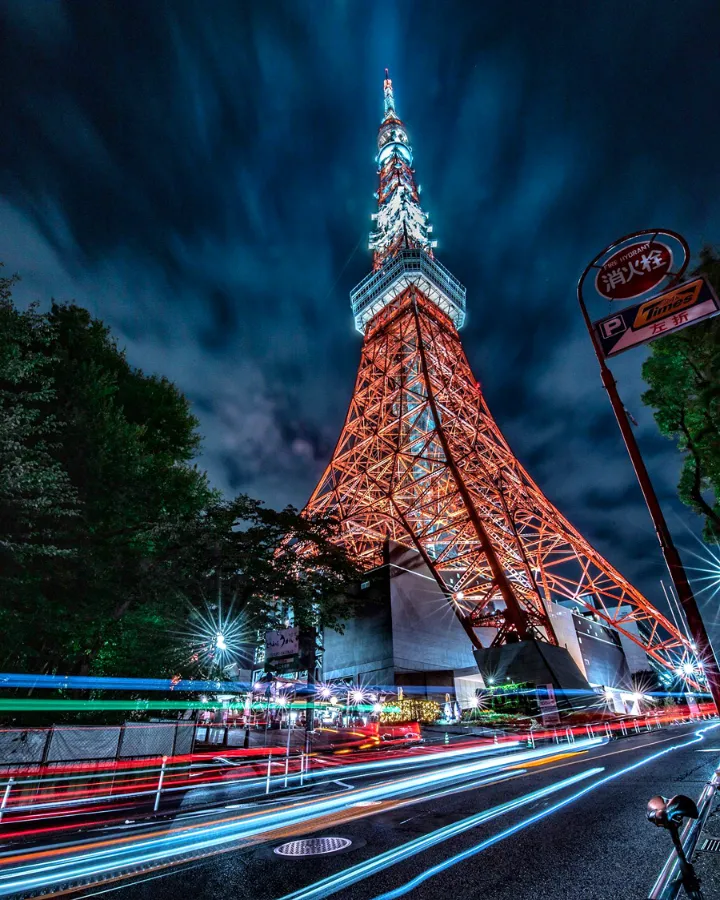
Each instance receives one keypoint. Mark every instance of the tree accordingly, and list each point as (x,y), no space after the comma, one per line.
(114,547)
(127,443)
(242,568)
(683,374)
(37,499)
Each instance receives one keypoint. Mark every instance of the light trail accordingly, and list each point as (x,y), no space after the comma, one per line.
(80,793)
(525,823)
(61,866)
(97,682)
(384,860)
(65,800)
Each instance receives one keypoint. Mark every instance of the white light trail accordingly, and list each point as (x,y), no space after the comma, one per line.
(67,865)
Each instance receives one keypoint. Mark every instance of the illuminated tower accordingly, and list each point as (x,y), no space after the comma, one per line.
(421,462)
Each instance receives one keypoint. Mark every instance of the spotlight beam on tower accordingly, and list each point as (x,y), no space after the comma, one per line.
(420,461)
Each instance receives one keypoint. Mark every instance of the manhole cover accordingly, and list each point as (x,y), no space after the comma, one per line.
(313,846)
(711,844)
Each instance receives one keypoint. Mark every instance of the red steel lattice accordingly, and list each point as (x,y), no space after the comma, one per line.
(421,461)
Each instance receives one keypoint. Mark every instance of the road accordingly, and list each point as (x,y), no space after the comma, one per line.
(473,826)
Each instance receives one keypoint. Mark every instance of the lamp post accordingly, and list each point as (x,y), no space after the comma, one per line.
(669,550)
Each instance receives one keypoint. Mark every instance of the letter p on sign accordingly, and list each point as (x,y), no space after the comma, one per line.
(613,326)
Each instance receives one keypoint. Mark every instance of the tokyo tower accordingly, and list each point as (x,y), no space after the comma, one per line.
(421,462)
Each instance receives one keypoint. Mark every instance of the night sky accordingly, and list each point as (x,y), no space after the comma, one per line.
(200,176)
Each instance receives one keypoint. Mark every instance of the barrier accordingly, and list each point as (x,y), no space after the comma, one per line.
(68,743)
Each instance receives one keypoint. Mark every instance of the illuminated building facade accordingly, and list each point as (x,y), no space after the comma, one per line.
(421,464)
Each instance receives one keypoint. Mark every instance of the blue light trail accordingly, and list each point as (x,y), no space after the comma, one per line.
(356,873)
(71,864)
(525,823)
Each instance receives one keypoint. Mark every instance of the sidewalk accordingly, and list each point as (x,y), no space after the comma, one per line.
(707,861)
(700,838)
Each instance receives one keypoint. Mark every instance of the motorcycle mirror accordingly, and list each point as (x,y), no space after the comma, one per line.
(656,811)
(667,813)
(681,807)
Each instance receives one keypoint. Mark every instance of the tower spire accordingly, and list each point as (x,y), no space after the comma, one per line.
(389,96)
(401,221)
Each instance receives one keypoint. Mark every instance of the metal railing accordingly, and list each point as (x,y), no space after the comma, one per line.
(669,882)
(410,263)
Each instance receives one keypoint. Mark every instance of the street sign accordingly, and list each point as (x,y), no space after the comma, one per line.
(548,704)
(634,270)
(670,311)
(279,644)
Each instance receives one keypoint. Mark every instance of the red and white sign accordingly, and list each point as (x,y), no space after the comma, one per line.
(634,270)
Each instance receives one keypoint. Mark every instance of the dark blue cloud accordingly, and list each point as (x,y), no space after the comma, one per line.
(201,177)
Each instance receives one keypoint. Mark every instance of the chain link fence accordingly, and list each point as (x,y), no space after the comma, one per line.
(68,744)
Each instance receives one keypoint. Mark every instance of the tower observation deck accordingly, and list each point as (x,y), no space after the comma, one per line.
(401,244)
(421,462)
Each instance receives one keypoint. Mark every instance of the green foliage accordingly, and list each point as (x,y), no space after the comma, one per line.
(35,492)
(111,538)
(37,500)
(683,374)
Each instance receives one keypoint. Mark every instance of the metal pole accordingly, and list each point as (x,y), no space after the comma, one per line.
(287,749)
(310,697)
(669,551)
(268,693)
(8,788)
(267,781)
(160,783)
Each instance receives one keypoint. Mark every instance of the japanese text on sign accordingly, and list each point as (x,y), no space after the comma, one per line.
(282,643)
(634,270)
(668,312)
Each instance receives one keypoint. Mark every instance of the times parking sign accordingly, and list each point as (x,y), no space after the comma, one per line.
(666,313)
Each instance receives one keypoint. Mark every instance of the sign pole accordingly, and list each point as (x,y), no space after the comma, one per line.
(669,551)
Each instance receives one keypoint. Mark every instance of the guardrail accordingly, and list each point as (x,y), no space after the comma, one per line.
(669,882)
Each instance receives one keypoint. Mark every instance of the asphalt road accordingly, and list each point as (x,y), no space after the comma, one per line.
(596,846)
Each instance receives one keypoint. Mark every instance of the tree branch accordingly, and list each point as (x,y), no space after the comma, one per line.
(696,488)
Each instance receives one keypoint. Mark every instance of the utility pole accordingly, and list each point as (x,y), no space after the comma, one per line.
(671,556)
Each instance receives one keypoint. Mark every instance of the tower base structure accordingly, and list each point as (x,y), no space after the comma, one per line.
(534,662)
(406,636)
